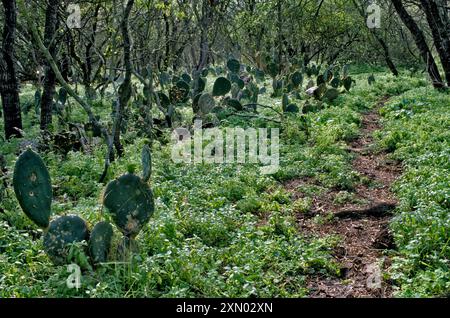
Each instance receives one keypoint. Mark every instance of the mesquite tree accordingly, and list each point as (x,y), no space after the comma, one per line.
(437,17)
(421,43)
(9,84)
(51,25)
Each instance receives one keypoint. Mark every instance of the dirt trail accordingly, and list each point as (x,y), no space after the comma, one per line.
(362,224)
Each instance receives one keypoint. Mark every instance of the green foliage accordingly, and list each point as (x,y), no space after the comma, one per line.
(419,120)
(284,101)
(219,228)
(163,99)
(201,84)
(182,84)
(37,100)
(335,82)
(186,78)
(179,92)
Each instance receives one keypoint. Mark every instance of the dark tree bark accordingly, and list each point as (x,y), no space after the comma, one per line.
(280,32)
(204,44)
(88,65)
(421,43)
(167,55)
(386,54)
(440,33)
(51,24)
(9,84)
(205,21)
(125,87)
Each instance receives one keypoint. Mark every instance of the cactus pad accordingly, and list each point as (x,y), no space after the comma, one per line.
(206,103)
(233,65)
(221,86)
(297,79)
(146,163)
(129,200)
(32,186)
(62,232)
(234,103)
(100,242)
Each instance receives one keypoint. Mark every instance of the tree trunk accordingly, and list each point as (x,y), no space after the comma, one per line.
(204,45)
(125,88)
(421,43)
(167,37)
(387,55)
(9,85)
(51,23)
(380,40)
(279,33)
(441,36)
(205,21)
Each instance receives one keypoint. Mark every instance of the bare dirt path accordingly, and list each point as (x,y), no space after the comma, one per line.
(362,224)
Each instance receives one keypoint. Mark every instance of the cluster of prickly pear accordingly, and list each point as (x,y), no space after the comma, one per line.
(177,90)
(33,189)
(211,106)
(346,79)
(312,70)
(273,69)
(322,91)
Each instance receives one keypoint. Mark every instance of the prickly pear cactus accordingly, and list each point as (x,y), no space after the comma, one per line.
(297,79)
(331,94)
(129,200)
(146,163)
(61,233)
(233,65)
(100,242)
(221,86)
(348,81)
(234,103)
(33,188)
(206,103)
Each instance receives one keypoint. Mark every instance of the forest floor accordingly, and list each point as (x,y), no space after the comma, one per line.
(322,226)
(363,226)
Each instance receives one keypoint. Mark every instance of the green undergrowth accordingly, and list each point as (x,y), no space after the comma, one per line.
(416,131)
(218,230)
